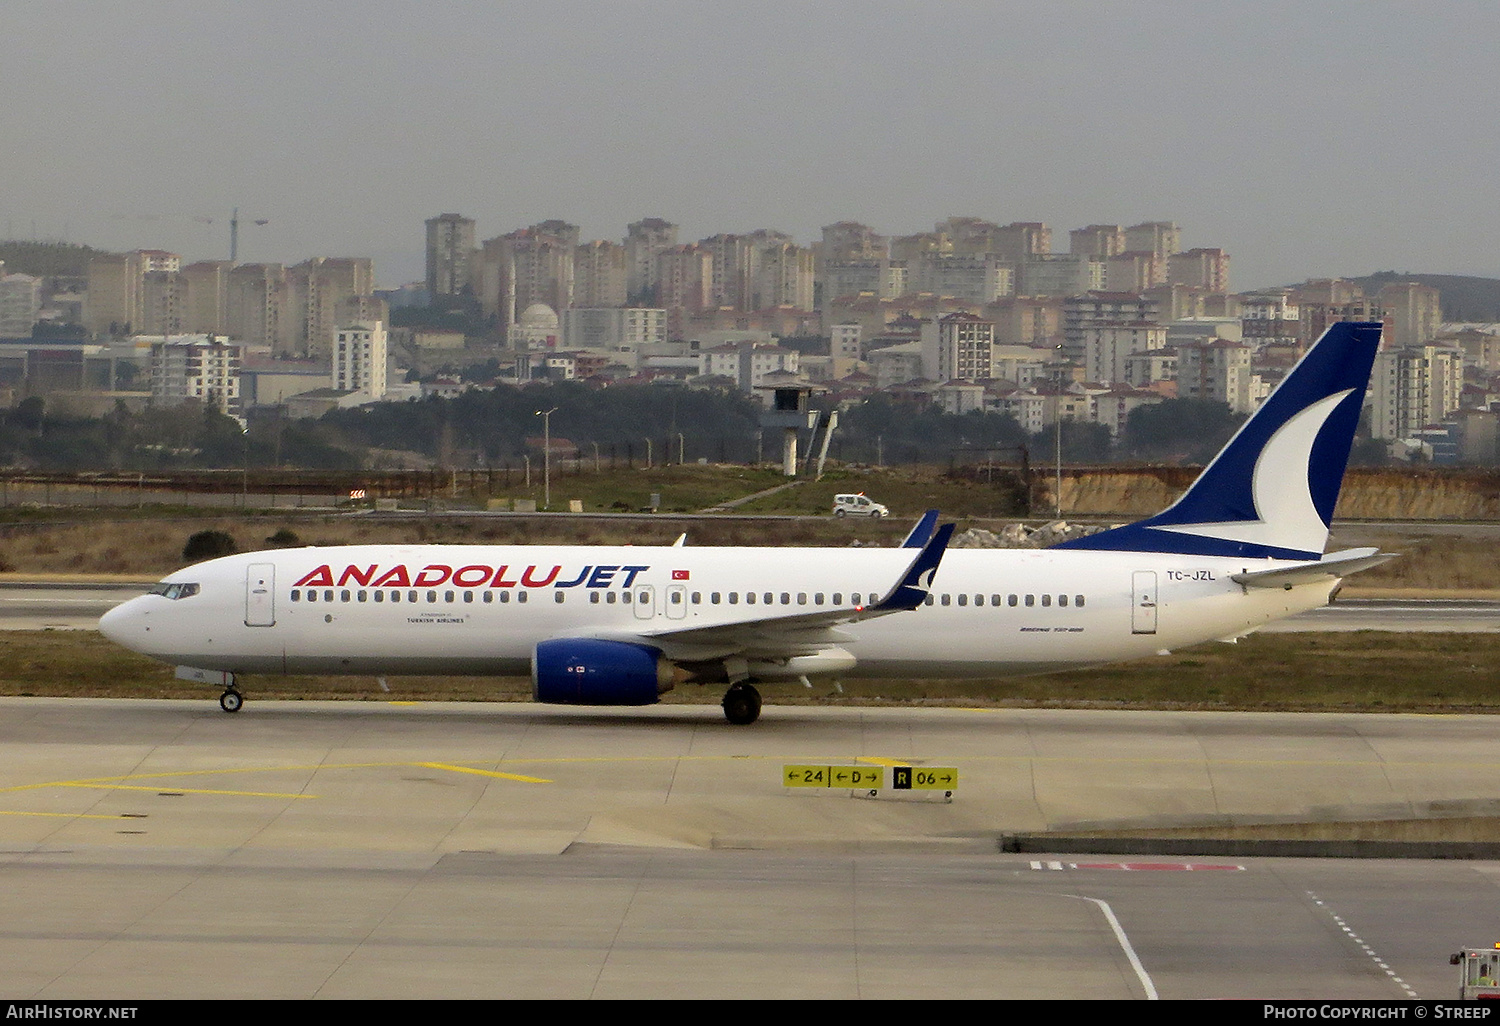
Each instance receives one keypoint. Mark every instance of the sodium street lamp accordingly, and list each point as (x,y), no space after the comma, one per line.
(546,416)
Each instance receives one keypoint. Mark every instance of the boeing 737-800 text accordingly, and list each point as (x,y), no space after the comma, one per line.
(619,625)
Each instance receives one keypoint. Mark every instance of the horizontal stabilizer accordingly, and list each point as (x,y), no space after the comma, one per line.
(1335,564)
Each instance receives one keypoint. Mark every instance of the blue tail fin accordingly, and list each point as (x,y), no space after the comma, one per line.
(1271,491)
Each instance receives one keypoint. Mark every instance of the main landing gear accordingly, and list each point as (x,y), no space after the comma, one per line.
(741,704)
(231,700)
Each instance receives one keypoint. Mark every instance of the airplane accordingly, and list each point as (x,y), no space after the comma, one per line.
(621,625)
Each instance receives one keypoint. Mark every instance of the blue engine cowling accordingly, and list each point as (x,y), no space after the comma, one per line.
(588,671)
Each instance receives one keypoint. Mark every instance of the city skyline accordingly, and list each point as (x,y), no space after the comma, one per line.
(1304,142)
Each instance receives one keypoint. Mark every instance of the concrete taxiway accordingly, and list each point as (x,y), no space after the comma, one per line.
(312,849)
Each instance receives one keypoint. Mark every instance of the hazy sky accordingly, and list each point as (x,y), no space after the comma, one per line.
(1306,138)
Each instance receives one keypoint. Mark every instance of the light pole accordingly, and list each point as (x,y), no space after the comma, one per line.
(546,416)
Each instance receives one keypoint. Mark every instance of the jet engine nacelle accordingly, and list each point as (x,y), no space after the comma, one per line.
(590,671)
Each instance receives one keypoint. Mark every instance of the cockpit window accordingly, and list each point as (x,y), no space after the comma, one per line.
(174,591)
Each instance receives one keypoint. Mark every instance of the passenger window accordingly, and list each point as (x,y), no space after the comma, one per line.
(594,597)
(1030,600)
(344,595)
(328,595)
(395,596)
(447,596)
(713,598)
(786,598)
(838,598)
(929,600)
(1062,600)
(610,599)
(380,596)
(1046,600)
(296,595)
(1078,600)
(505,596)
(749,598)
(559,596)
(734,598)
(521,597)
(769,599)
(489,596)
(411,596)
(963,600)
(801,598)
(946,598)
(432,596)
(361,595)
(994,600)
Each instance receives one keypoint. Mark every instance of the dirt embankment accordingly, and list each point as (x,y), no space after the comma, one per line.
(1369,494)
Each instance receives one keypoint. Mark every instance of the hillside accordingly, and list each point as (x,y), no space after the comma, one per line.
(45,259)
(1465,297)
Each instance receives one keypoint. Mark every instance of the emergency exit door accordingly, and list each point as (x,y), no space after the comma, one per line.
(1143,602)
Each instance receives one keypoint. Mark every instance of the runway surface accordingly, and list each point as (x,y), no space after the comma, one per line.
(311,849)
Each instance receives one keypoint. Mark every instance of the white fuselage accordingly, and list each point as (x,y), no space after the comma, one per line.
(483,609)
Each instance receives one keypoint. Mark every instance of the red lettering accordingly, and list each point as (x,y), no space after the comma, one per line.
(395,577)
(432,575)
(353,574)
(465,577)
(322,575)
(529,583)
(498,583)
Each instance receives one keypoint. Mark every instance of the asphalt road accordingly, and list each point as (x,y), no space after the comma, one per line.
(159,849)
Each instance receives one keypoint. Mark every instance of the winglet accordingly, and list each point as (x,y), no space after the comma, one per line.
(921,532)
(912,590)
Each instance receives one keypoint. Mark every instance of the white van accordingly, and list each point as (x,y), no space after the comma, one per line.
(857,506)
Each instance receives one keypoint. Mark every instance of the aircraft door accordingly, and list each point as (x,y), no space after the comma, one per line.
(1143,602)
(645,602)
(676,602)
(260,595)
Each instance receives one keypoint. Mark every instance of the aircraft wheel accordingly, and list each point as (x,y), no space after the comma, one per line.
(231,701)
(741,704)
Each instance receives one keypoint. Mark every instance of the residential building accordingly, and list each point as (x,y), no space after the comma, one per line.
(1218,371)
(450,248)
(957,346)
(360,352)
(1413,314)
(646,241)
(1413,387)
(20,303)
(1099,241)
(617,329)
(1208,269)
(1107,344)
(1102,307)
(205,368)
(600,274)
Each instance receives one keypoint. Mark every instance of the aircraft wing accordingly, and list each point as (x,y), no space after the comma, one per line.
(1331,566)
(796,633)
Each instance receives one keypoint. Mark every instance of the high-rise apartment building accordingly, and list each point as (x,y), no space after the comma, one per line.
(958,346)
(1106,345)
(600,274)
(1097,240)
(526,268)
(256,306)
(1162,238)
(1413,314)
(1218,371)
(20,303)
(1205,268)
(646,241)
(205,368)
(450,247)
(1414,387)
(359,359)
